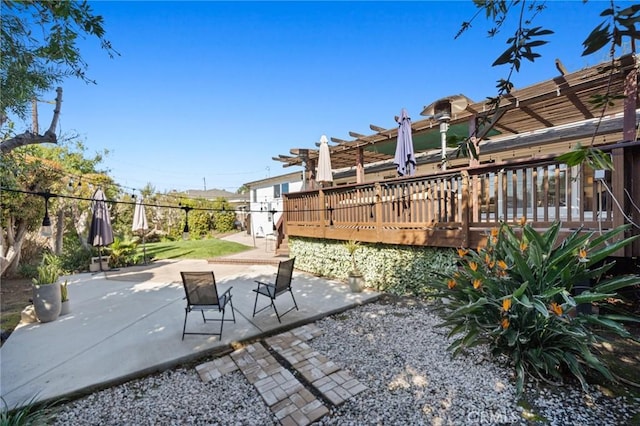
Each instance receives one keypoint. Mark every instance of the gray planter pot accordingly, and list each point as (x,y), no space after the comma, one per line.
(47,301)
(356,282)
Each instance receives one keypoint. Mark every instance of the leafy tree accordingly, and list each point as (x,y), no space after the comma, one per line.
(21,213)
(122,216)
(618,25)
(38,49)
(44,170)
(72,164)
(148,190)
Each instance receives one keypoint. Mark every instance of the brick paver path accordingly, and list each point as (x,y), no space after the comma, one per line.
(268,365)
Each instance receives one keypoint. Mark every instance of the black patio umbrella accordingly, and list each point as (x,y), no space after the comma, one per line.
(100,233)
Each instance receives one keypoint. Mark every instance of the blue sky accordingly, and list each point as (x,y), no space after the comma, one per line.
(206,93)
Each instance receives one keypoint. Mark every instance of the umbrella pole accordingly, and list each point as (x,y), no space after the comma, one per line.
(144,249)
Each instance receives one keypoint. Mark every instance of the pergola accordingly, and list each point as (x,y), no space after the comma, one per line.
(565,99)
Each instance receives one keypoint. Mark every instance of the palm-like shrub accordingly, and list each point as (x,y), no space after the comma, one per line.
(124,253)
(516,295)
(352,247)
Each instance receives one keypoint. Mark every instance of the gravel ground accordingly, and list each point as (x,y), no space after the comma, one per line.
(397,352)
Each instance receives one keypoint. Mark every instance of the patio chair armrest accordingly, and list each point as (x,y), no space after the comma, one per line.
(227,292)
(264,284)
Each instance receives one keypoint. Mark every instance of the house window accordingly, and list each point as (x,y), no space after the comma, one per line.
(276,191)
(254,195)
(285,188)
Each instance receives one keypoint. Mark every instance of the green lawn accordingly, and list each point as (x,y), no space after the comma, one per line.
(192,249)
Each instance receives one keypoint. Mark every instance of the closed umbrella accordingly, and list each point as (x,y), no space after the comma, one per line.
(324,162)
(404,159)
(140,224)
(100,233)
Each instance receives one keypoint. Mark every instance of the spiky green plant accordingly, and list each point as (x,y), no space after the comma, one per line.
(29,414)
(352,247)
(516,295)
(64,292)
(48,271)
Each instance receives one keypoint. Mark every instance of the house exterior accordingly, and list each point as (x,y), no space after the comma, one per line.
(517,174)
(266,201)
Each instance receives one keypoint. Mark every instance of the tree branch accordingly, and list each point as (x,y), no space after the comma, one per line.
(30,138)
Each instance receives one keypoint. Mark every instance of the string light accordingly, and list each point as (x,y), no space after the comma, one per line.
(45,229)
(185,232)
(179,206)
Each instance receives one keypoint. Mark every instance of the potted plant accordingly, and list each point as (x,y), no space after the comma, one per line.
(64,297)
(356,279)
(47,298)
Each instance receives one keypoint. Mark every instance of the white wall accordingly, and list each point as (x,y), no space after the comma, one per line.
(262,220)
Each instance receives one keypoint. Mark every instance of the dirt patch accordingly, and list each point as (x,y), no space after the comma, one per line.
(15,295)
(623,355)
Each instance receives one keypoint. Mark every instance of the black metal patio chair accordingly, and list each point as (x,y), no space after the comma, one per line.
(273,290)
(202,295)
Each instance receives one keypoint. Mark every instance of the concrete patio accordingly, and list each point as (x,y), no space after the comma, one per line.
(128,323)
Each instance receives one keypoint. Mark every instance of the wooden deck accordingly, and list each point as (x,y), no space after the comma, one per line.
(456,208)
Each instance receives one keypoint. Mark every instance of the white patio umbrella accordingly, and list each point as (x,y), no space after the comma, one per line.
(140,224)
(404,159)
(324,173)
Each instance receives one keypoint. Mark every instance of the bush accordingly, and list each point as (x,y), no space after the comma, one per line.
(27,270)
(223,217)
(200,224)
(516,295)
(74,256)
(123,253)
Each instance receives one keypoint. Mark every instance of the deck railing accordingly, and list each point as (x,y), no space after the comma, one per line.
(455,208)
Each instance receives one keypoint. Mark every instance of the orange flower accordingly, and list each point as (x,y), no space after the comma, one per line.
(473,266)
(505,323)
(506,304)
(556,309)
(494,240)
(477,283)
(522,221)
(451,283)
(582,255)
(494,232)
(523,245)
(487,259)
(462,252)
(502,264)
(492,264)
